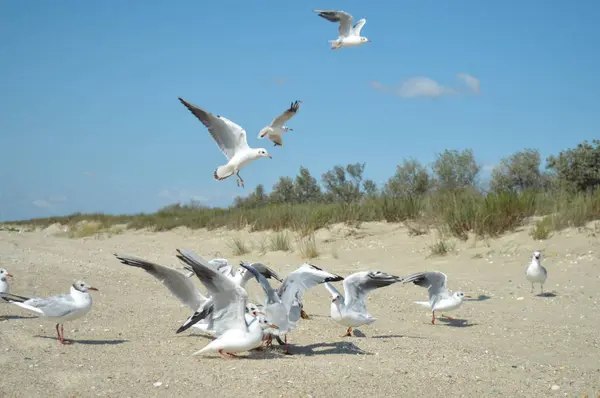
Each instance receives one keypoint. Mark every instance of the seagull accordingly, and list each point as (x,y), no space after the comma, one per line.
(185,290)
(351,311)
(4,275)
(229,303)
(61,308)
(536,273)
(201,319)
(349,36)
(277,127)
(440,298)
(282,307)
(232,141)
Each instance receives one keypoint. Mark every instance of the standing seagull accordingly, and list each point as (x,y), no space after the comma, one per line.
(4,275)
(440,298)
(349,36)
(351,311)
(231,139)
(536,273)
(61,308)
(277,127)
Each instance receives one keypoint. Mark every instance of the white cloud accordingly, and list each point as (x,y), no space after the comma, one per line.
(42,203)
(415,87)
(57,198)
(180,195)
(471,81)
(424,87)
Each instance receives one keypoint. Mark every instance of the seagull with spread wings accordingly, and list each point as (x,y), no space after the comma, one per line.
(440,298)
(349,36)
(275,130)
(231,139)
(351,311)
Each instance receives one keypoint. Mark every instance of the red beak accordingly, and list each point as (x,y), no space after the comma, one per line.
(9,275)
(92,288)
(468,297)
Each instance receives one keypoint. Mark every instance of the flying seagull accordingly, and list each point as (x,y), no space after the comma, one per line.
(275,130)
(349,36)
(232,141)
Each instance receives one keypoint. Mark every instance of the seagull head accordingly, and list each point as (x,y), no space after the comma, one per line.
(537,256)
(4,273)
(364,40)
(460,295)
(83,287)
(263,152)
(264,323)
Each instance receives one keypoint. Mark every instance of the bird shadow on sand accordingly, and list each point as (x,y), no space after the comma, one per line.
(547,294)
(455,322)
(335,348)
(481,297)
(9,317)
(396,336)
(87,342)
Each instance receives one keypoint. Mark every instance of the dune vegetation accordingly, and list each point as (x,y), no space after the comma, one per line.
(447,196)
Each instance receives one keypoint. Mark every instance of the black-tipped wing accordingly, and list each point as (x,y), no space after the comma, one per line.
(359,284)
(343,18)
(433,281)
(286,115)
(177,283)
(229,137)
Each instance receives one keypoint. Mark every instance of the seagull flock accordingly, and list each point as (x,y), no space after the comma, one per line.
(231,138)
(224,312)
(237,325)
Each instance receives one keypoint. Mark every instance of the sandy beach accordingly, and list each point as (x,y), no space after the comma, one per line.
(505,342)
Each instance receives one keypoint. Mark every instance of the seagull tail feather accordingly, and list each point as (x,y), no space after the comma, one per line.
(222,173)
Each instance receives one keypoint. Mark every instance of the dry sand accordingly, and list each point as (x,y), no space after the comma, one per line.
(508,343)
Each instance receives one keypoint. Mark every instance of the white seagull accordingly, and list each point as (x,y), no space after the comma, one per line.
(440,298)
(186,291)
(229,303)
(283,306)
(231,139)
(349,36)
(536,273)
(4,275)
(351,311)
(275,130)
(60,308)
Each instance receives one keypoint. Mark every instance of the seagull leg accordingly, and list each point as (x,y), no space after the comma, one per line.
(241,181)
(303,314)
(448,317)
(279,341)
(58,333)
(531,287)
(225,355)
(542,287)
(348,333)
(287,351)
(433,317)
(63,341)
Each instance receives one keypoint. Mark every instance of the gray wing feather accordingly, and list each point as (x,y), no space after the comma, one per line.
(229,136)
(286,115)
(434,282)
(179,284)
(55,306)
(359,284)
(345,20)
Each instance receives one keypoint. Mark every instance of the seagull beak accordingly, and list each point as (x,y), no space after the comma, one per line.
(270,157)
(468,297)
(272,326)
(9,275)
(368,41)
(92,288)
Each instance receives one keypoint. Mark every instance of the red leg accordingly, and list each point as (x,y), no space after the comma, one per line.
(63,341)
(433,317)
(348,333)
(58,333)
(448,317)
(225,355)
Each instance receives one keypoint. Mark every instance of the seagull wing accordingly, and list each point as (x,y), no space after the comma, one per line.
(345,20)
(178,283)
(286,115)
(229,299)
(230,137)
(358,26)
(434,282)
(359,284)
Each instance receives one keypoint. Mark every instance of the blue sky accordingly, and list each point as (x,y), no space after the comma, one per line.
(90,121)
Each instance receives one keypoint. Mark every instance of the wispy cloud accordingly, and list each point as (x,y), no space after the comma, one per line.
(49,202)
(44,204)
(181,196)
(425,87)
(471,81)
